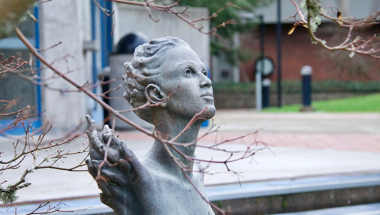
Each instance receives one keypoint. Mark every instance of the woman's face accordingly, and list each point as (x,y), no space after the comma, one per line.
(184,74)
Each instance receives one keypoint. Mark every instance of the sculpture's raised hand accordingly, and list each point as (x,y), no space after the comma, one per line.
(121,183)
(116,176)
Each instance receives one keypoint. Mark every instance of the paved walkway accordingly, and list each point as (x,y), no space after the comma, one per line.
(357,132)
(301,145)
(308,130)
(347,141)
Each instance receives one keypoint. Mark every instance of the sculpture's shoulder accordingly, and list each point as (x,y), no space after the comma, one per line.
(172,194)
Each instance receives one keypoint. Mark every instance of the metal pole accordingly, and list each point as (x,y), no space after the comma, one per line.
(266,93)
(306,72)
(259,87)
(258,91)
(262,37)
(38,66)
(278,37)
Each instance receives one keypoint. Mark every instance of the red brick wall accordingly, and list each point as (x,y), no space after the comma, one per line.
(298,51)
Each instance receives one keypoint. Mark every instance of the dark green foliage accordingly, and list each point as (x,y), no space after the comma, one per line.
(347,86)
(8,197)
(331,86)
(233,87)
(220,204)
(284,203)
(223,45)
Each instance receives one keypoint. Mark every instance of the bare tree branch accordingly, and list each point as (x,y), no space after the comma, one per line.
(181,14)
(358,45)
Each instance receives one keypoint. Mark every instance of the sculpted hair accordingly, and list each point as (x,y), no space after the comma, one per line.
(143,69)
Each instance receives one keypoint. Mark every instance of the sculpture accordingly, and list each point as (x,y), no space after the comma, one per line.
(168,74)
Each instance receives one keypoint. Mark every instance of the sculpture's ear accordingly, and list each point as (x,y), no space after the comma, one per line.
(154,94)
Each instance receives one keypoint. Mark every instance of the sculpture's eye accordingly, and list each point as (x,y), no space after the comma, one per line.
(189,73)
(204,73)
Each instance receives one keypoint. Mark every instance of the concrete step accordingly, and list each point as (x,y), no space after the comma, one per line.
(367,209)
(265,197)
(298,194)
(291,186)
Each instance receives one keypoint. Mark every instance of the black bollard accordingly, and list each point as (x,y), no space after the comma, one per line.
(306,72)
(266,93)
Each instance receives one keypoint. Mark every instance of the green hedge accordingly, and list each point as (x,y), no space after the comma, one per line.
(331,86)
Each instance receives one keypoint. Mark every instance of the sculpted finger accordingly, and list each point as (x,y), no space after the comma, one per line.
(108,136)
(104,187)
(107,200)
(96,145)
(109,173)
(114,145)
(105,181)
(90,123)
(111,182)
(112,197)
(92,168)
(125,166)
(113,154)
(101,179)
(113,176)
(107,133)
(130,157)
(96,151)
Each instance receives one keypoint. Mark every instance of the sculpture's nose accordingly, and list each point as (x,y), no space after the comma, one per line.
(206,82)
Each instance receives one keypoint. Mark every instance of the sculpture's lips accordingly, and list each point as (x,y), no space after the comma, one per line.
(208,96)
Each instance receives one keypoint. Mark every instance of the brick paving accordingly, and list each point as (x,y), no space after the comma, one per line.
(315,131)
(361,142)
(319,141)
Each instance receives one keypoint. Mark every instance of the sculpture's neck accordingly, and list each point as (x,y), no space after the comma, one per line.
(165,154)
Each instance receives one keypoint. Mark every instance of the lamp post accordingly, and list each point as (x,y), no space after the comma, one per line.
(259,76)
(278,39)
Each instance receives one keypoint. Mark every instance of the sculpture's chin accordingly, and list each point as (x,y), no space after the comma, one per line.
(210,112)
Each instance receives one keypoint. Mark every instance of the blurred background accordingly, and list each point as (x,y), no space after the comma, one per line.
(264,76)
(90,39)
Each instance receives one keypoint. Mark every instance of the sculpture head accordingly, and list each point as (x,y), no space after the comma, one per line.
(167,73)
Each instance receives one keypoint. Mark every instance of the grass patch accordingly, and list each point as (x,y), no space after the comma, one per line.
(369,103)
